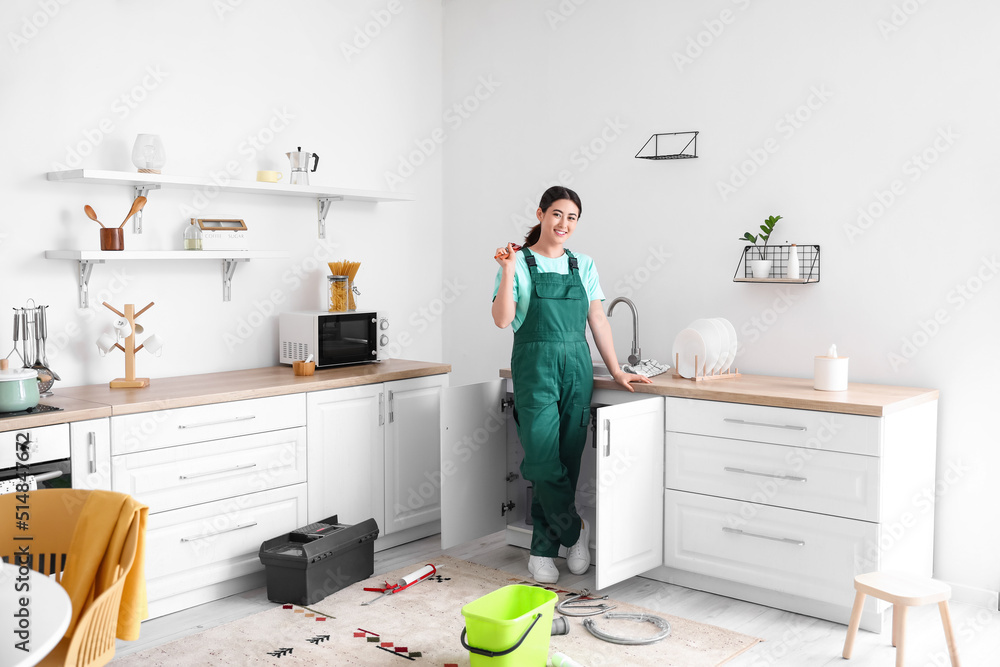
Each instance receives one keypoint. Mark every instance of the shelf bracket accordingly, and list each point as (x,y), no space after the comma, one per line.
(141,191)
(323,206)
(228,270)
(86,267)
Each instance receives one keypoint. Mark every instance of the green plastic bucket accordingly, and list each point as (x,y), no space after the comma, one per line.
(510,626)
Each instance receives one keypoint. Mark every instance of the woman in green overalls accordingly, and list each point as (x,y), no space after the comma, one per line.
(550,294)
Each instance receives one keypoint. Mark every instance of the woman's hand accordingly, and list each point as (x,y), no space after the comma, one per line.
(505,257)
(624,379)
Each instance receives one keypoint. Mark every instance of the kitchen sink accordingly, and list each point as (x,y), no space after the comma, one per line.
(601,372)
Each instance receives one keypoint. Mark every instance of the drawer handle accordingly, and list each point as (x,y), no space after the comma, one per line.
(227,530)
(216,472)
(92,452)
(224,421)
(746,423)
(790,478)
(786,540)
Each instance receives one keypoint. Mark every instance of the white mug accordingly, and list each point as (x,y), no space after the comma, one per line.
(105,342)
(153,345)
(123,328)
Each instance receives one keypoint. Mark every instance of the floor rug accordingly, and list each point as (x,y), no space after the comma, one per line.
(421,626)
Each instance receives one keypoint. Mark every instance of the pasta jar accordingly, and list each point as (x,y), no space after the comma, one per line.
(338,294)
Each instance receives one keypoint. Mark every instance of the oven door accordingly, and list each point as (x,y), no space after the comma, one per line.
(346,338)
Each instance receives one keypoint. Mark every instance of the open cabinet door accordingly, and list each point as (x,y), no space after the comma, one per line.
(473,461)
(629,522)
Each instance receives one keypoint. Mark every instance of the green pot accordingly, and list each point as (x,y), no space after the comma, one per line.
(18,389)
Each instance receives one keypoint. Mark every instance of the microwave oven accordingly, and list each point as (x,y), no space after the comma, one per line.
(334,339)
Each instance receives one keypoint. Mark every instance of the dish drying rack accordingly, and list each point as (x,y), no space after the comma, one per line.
(723,375)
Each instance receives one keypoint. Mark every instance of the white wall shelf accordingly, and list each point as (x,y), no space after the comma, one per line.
(143,183)
(229,258)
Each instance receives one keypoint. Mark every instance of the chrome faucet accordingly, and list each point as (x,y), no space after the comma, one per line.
(636,355)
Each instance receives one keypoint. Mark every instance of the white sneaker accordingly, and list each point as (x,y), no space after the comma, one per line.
(543,569)
(578,557)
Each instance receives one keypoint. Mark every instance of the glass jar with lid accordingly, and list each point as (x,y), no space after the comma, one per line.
(338,294)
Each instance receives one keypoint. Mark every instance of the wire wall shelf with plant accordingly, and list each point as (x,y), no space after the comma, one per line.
(780,268)
(670,146)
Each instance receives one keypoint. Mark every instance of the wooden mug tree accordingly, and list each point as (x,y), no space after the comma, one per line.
(130,380)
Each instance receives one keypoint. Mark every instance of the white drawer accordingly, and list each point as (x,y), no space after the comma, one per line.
(180,426)
(788,551)
(202,545)
(796,477)
(173,477)
(48,443)
(832,431)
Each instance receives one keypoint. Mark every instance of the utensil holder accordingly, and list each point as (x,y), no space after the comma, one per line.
(112,238)
(303,367)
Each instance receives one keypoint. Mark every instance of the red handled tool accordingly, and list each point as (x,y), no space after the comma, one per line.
(504,251)
(402,584)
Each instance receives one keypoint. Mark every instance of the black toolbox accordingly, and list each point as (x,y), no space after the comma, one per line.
(309,563)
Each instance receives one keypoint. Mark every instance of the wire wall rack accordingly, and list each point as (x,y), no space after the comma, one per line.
(809,264)
(674,146)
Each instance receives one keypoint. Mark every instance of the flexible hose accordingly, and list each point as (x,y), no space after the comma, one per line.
(661,623)
(576,602)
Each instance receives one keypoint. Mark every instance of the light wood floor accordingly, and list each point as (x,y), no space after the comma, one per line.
(791,640)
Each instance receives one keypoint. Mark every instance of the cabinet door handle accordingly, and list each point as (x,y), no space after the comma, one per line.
(216,472)
(790,478)
(786,540)
(381,409)
(92,452)
(607,429)
(391,416)
(746,423)
(222,421)
(227,530)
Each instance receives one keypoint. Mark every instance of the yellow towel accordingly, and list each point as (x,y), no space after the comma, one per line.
(97,545)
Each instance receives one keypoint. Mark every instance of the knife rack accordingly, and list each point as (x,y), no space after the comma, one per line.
(724,375)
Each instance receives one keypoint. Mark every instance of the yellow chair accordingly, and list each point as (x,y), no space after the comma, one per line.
(54,516)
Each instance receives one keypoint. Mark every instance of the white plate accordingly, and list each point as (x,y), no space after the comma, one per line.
(733,344)
(712,333)
(687,345)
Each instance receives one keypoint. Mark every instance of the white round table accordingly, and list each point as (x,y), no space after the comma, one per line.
(49,611)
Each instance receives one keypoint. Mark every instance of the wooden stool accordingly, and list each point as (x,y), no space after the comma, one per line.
(902,590)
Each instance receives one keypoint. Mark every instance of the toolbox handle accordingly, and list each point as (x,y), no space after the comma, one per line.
(496,654)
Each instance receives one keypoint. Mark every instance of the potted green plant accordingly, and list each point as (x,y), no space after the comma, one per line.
(761,268)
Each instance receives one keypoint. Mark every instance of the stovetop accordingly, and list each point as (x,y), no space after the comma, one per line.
(37,410)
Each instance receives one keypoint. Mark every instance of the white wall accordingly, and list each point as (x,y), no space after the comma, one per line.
(227,70)
(606,77)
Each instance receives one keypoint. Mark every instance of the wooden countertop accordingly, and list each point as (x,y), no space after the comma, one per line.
(875,400)
(73,410)
(188,390)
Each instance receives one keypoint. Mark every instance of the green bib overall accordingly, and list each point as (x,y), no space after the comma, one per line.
(553,383)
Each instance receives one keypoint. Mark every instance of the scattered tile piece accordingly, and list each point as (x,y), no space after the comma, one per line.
(373,640)
(386,644)
(359,634)
(286,606)
(310,615)
(416,654)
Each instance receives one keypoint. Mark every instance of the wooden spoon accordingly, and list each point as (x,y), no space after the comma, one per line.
(136,207)
(93,216)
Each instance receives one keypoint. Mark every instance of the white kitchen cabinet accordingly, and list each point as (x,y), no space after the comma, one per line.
(90,446)
(219,479)
(628,530)
(776,505)
(373,452)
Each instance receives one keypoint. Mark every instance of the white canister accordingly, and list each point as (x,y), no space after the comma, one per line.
(830,372)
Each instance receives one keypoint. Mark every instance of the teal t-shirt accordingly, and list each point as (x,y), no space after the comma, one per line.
(522,279)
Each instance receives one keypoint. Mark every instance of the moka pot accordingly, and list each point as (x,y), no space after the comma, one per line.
(300,166)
